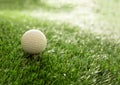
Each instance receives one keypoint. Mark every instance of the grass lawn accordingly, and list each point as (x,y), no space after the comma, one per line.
(73,56)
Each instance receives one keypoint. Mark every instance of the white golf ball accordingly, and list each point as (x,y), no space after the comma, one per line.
(33,41)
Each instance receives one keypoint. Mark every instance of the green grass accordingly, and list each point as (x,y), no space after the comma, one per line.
(73,56)
(29,5)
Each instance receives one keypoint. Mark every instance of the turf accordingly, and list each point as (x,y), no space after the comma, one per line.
(33,5)
(109,12)
(73,56)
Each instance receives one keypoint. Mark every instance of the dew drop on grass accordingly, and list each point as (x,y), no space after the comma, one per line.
(64,74)
(51,51)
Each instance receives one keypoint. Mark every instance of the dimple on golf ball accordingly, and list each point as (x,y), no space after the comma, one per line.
(33,41)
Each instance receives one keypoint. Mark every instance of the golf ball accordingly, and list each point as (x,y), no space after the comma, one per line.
(33,41)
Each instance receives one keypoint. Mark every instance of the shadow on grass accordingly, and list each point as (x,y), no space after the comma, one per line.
(32,58)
